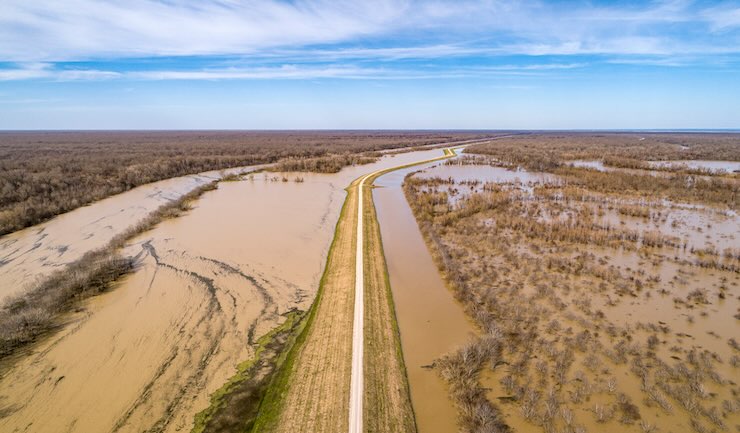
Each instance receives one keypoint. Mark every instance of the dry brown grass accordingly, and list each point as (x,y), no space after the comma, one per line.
(387,402)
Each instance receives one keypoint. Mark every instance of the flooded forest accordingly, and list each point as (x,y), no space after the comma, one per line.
(602,273)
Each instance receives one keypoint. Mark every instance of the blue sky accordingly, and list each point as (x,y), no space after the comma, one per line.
(351,64)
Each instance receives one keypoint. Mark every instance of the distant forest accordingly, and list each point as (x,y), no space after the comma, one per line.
(43,174)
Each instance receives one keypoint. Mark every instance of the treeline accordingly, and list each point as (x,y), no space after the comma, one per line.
(324,164)
(43,174)
(544,151)
(552,152)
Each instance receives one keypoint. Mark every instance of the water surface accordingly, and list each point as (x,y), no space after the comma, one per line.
(431,322)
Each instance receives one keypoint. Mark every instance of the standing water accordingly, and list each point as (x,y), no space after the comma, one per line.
(431,322)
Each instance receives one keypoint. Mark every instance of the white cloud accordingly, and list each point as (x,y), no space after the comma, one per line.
(73,29)
(723,17)
(46,71)
(28,71)
(326,30)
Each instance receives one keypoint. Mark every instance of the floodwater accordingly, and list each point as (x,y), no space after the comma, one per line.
(700,227)
(702,327)
(484,173)
(596,165)
(728,166)
(147,354)
(431,322)
(28,255)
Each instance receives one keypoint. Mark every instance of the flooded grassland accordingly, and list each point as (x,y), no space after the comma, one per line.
(599,310)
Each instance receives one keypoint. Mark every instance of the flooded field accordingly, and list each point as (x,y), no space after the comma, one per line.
(431,322)
(604,312)
(596,165)
(148,354)
(31,254)
(716,167)
(483,174)
(726,166)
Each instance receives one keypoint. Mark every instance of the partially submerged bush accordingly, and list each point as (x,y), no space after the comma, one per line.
(29,315)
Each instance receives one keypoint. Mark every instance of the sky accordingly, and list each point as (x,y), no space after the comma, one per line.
(379,64)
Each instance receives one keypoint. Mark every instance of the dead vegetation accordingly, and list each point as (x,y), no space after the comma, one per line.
(324,164)
(43,174)
(461,370)
(544,151)
(676,187)
(562,298)
(26,317)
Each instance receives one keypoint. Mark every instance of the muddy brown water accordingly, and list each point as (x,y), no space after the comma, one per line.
(728,166)
(705,327)
(483,173)
(431,322)
(716,166)
(28,255)
(150,352)
(700,227)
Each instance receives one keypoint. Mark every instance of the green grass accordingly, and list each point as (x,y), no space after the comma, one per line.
(245,372)
(272,403)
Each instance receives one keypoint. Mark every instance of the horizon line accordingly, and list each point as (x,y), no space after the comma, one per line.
(534,130)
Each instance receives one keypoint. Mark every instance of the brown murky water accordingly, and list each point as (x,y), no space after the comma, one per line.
(148,354)
(431,322)
(484,173)
(708,326)
(728,166)
(725,166)
(33,253)
(700,227)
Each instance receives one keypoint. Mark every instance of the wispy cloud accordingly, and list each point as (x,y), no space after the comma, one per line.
(723,17)
(82,29)
(47,71)
(350,38)
(27,71)
(74,29)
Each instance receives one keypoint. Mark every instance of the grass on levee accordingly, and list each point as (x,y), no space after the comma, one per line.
(271,405)
(234,406)
(382,412)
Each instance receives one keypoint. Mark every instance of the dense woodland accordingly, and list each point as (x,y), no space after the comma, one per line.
(43,174)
